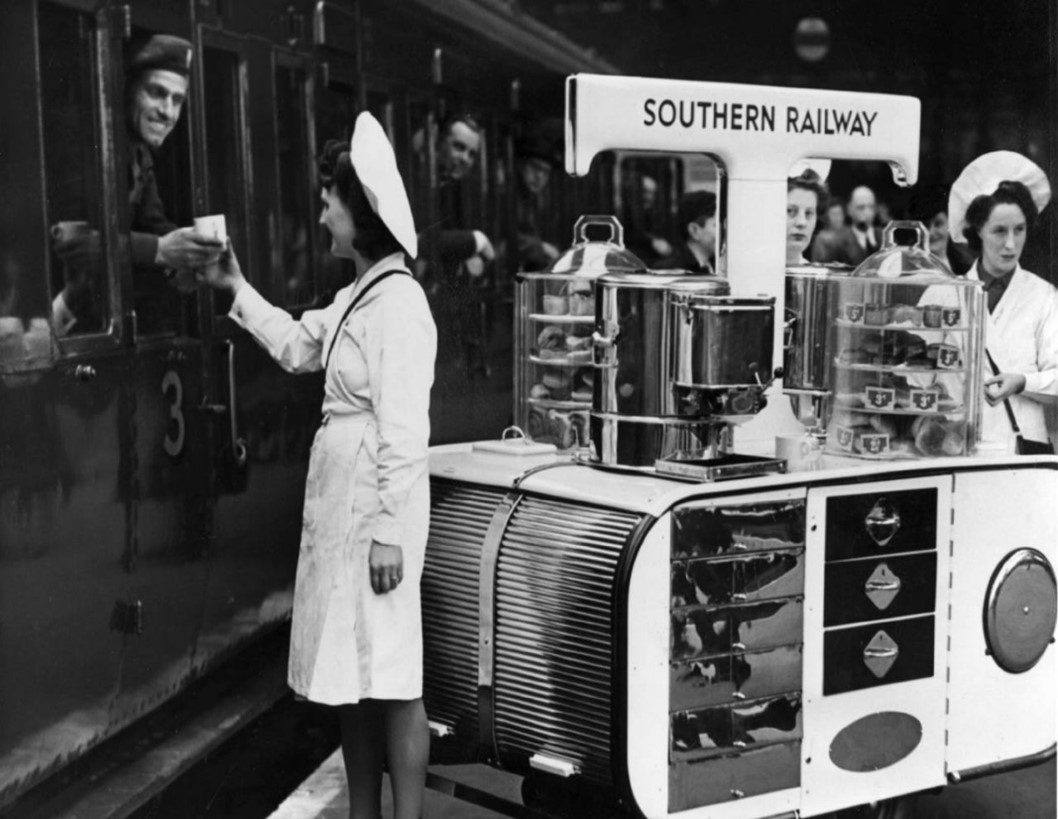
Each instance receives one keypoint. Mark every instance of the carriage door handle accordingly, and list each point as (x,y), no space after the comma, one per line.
(238,445)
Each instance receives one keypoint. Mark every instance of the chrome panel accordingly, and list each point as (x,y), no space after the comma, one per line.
(702,632)
(714,731)
(741,579)
(724,679)
(460,518)
(712,781)
(554,634)
(703,530)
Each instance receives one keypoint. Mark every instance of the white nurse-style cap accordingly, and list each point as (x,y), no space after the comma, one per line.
(376,166)
(982,177)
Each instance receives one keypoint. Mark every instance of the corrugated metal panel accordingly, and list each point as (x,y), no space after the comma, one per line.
(554,633)
(460,515)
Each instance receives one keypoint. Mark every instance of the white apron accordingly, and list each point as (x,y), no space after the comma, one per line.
(348,643)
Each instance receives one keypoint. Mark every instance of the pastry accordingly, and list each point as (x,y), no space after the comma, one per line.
(551,338)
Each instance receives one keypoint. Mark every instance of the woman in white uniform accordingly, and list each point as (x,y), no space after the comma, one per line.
(993,206)
(356,635)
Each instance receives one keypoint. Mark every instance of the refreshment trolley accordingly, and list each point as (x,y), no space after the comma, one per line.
(677,622)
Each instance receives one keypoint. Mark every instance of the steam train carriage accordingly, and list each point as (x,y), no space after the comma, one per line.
(152,460)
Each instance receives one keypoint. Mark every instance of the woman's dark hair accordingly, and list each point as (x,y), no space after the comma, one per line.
(809,180)
(373,239)
(1008,193)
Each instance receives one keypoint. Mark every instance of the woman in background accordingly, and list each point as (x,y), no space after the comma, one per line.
(804,195)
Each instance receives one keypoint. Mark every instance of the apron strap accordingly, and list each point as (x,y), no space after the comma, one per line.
(352,306)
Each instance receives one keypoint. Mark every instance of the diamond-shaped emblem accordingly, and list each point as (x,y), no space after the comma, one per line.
(882,586)
(882,522)
(880,654)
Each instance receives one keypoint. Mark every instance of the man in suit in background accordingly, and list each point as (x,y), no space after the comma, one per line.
(854,242)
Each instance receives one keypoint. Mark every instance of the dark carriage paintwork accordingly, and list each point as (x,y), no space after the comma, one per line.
(138,549)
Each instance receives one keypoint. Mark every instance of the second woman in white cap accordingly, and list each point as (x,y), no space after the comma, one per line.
(356,635)
(993,206)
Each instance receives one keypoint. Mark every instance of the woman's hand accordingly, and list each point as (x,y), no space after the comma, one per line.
(225,273)
(1002,386)
(387,566)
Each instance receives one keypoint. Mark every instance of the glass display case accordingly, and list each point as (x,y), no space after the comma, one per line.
(555,319)
(906,366)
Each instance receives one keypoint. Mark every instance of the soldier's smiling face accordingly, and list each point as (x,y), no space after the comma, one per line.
(156,101)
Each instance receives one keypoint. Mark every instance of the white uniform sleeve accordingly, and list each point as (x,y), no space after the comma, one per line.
(296,344)
(401,349)
(1042,385)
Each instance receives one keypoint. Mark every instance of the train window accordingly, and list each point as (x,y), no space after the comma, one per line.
(420,157)
(293,256)
(72,171)
(226,140)
(159,196)
(380,104)
(336,111)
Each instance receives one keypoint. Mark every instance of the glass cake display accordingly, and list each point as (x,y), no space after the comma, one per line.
(555,316)
(907,344)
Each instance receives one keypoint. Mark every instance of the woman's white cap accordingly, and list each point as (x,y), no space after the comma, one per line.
(376,166)
(982,177)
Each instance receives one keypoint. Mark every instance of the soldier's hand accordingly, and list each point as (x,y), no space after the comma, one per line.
(184,247)
(185,280)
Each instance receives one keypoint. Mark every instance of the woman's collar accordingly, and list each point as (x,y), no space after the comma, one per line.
(391,262)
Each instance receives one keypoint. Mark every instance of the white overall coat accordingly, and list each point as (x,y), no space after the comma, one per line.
(367,480)
(1022,336)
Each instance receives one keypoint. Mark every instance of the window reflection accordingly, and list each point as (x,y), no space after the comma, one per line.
(292,255)
(223,124)
(72,181)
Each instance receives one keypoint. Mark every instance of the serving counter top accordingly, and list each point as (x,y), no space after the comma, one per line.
(559,475)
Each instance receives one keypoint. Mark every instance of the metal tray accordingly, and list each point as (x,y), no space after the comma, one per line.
(722,468)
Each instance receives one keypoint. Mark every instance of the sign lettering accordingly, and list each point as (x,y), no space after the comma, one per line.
(708,115)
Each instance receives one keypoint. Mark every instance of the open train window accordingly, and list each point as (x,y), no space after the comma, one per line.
(292,253)
(73,185)
(160,200)
(227,146)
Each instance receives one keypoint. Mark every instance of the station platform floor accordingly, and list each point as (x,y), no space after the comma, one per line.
(1025,794)
(323,795)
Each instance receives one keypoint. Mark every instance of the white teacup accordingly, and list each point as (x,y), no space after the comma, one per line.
(802,453)
(214,226)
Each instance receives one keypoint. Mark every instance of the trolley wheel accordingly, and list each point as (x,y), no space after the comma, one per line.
(567,799)
(546,794)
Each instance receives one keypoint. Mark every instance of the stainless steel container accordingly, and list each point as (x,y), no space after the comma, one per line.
(677,360)
(721,342)
(806,366)
(633,328)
